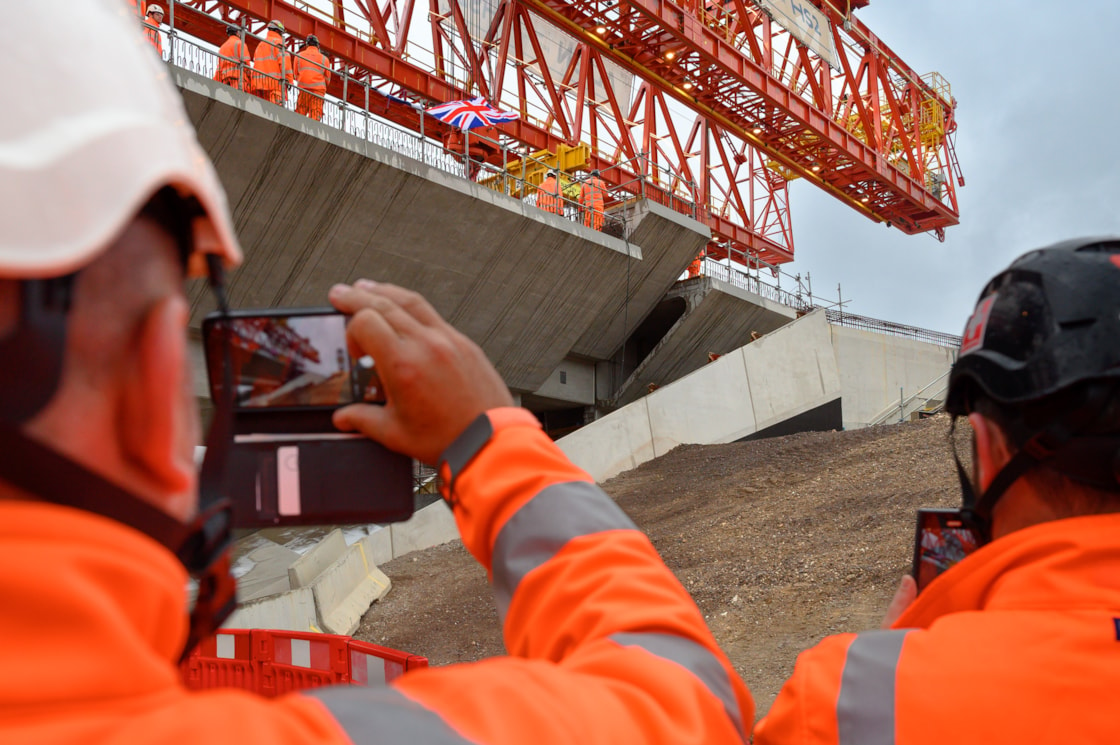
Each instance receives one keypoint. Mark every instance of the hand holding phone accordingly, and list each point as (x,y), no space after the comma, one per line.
(941,540)
(436,380)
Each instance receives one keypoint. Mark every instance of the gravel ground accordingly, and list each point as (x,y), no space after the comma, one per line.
(780,541)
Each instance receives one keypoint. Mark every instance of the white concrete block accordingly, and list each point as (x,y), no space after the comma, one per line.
(269,575)
(344,590)
(613,444)
(378,545)
(289,611)
(325,553)
(431,526)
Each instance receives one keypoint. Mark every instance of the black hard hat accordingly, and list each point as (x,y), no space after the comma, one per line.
(313,40)
(1049,321)
(232,31)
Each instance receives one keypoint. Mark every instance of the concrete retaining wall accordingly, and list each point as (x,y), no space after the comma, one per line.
(805,375)
(782,375)
(873,367)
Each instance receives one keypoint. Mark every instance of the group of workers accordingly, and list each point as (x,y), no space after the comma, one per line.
(100,522)
(274,70)
(592,197)
(270,71)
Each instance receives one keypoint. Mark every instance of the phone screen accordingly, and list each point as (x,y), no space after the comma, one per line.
(942,539)
(286,361)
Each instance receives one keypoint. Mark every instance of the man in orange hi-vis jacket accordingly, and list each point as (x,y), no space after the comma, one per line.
(99,520)
(312,74)
(1019,641)
(272,65)
(592,197)
(153,19)
(548,194)
(233,60)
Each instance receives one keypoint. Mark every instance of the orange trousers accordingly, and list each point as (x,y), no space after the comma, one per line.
(310,103)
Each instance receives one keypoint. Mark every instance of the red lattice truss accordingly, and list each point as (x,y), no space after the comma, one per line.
(725,109)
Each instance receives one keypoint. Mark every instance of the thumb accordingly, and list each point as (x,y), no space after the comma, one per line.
(903,597)
(372,421)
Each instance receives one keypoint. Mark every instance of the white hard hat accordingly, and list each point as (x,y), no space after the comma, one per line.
(153,8)
(78,165)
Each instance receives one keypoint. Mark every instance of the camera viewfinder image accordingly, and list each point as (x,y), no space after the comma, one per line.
(282,361)
(944,542)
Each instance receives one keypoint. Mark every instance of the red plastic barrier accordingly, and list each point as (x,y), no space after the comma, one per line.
(382,663)
(275,662)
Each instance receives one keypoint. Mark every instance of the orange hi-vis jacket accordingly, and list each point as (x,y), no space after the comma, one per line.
(151,30)
(273,65)
(233,62)
(312,70)
(548,196)
(592,196)
(605,646)
(1018,643)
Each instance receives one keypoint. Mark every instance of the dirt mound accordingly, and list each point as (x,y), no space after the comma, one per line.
(780,541)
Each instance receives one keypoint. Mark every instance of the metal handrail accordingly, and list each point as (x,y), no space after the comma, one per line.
(900,407)
(851,320)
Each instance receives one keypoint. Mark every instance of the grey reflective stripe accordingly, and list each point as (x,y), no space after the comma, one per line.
(865,707)
(694,658)
(543,526)
(384,715)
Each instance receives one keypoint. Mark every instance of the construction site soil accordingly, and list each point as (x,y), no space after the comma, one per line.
(780,542)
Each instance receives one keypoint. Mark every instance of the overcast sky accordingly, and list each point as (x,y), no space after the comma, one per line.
(1038,97)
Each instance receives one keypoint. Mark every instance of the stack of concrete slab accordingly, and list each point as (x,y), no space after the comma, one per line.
(326,589)
(329,587)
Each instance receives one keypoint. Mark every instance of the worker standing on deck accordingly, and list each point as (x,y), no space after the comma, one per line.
(548,194)
(99,517)
(1020,641)
(153,19)
(272,65)
(592,197)
(312,74)
(233,60)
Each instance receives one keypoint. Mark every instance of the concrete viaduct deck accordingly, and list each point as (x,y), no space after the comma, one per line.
(549,300)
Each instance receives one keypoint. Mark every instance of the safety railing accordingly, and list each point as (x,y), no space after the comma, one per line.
(753,284)
(936,389)
(637,178)
(843,318)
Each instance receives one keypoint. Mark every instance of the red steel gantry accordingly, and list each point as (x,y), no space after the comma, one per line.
(711,100)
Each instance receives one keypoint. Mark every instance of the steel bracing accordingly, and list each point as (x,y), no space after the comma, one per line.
(711,103)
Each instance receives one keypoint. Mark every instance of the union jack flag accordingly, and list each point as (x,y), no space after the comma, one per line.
(470,114)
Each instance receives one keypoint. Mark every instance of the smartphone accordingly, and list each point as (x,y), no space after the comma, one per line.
(942,538)
(288,360)
(289,369)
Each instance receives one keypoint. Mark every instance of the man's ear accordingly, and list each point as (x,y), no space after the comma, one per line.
(155,414)
(990,453)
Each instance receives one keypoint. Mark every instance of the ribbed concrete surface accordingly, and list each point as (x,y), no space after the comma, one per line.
(719,318)
(314,206)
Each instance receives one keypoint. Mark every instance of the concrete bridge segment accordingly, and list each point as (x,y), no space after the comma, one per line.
(314,205)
